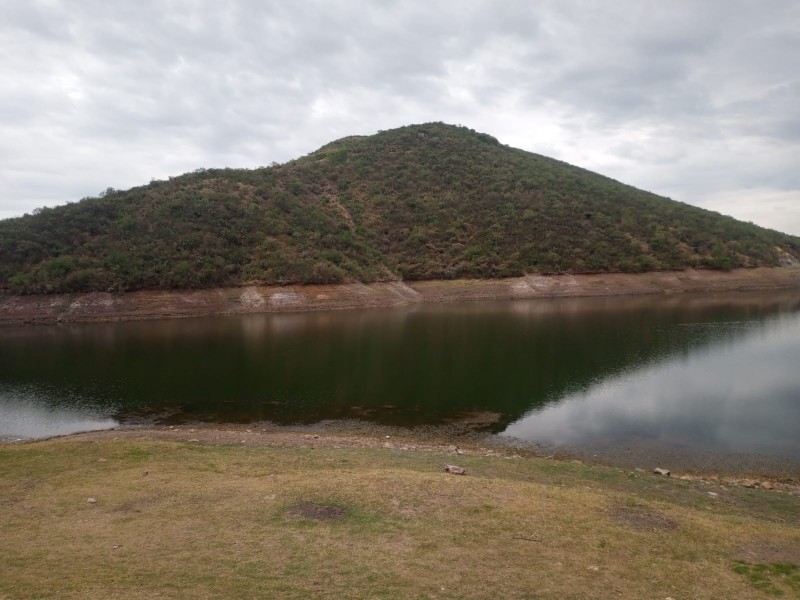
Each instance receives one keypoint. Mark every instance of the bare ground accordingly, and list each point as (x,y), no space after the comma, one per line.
(95,307)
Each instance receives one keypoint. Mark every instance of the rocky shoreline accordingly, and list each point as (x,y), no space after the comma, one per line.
(159,304)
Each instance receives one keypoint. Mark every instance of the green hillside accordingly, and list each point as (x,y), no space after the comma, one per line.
(429,201)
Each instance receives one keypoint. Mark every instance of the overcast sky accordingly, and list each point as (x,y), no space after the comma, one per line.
(695,100)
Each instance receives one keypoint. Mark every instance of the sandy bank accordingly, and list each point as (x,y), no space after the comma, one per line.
(155,304)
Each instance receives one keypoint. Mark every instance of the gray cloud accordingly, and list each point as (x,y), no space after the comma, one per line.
(695,101)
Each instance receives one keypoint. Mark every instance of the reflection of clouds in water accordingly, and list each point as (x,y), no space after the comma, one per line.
(31,412)
(29,419)
(741,394)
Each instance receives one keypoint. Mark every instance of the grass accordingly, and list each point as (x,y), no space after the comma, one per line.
(179,520)
(774,579)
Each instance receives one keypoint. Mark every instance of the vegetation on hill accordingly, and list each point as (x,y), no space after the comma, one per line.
(429,201)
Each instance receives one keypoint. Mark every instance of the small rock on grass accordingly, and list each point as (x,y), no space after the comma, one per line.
(660,471)
(91,500)
(455,470)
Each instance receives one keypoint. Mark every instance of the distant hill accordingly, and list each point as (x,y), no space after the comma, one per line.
(429,201)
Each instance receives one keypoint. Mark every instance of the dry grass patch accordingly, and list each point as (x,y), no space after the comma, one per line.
(179,520)
(642,518)
(315,511)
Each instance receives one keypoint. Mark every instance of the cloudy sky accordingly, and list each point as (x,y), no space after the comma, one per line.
(695,100)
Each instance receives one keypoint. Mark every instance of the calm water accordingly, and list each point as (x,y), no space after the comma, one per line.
(719,374)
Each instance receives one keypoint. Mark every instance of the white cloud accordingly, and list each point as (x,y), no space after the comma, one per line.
(694,101)
(776,209)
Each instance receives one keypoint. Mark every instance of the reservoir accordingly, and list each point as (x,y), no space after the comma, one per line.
(716,375)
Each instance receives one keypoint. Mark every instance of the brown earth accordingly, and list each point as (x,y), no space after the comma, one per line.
(156,304)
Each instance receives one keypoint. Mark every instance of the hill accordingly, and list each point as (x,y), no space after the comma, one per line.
(421,202)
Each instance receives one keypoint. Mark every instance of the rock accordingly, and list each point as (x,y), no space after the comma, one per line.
(102,460)
(713,494)
(767,485)
(749,483)
(455,470)
(193,440)
(91,500)
(660,471)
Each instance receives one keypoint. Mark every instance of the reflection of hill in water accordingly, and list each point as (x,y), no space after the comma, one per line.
(402,366)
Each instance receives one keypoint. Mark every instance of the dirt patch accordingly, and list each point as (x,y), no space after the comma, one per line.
(766,552)
(315,511)
(642,518)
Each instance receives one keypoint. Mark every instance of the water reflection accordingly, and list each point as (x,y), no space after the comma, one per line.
(561,371)
(27,413)
(740,394)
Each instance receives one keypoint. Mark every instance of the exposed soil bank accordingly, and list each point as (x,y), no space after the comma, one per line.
(156,304)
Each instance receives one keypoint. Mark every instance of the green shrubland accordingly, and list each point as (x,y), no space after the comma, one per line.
(429,201)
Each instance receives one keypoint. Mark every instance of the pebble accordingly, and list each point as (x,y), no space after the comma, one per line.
(455,470)
(91,500)
(660,471)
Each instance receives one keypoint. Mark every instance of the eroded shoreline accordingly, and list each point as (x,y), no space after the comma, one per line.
(160,304)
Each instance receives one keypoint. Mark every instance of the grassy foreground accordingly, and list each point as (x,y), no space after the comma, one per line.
(183,520)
